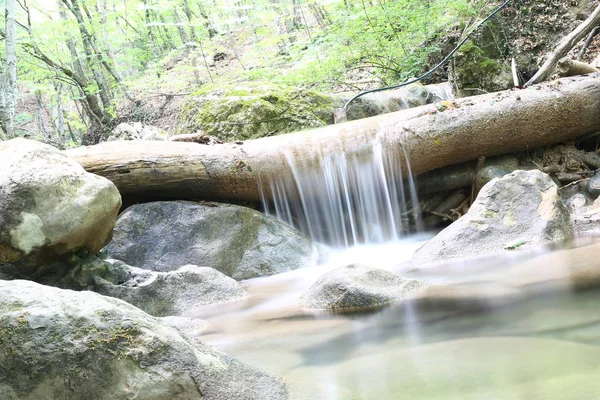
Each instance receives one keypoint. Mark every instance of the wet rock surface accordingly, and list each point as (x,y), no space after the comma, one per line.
(357,287)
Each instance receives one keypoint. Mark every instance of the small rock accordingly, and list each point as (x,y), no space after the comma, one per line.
(357,287)
(136,131)
(593,186)
(576,201)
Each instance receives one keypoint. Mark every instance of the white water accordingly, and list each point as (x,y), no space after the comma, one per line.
(347,200)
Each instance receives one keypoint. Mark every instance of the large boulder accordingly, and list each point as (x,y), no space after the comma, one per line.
(240,242)
(521,210)
(49,205)
(176,292)
(357,287)
(64,345)
(254,110)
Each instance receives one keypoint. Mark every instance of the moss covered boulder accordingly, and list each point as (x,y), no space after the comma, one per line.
(62,345)
(475,71)
(253,110)
(240,242)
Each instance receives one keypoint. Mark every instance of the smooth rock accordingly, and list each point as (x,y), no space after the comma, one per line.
(175,292)
(49,205)
(521,210)
(357,287)
(240,242)
(60,345)
(593,186)
(576,202)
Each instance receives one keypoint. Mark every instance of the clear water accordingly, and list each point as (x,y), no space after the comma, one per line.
(519,331)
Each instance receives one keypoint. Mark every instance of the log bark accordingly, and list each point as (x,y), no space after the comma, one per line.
(486,125)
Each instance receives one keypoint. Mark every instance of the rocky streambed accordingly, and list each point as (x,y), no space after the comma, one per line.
(95,306)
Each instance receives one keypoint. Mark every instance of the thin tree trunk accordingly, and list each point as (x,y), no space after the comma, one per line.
(40,112)
(11,69)
(59,124)
(487,125)
(565,45)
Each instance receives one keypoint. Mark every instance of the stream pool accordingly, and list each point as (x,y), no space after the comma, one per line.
(517,329)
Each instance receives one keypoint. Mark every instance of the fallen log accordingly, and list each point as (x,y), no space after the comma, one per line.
(432,136)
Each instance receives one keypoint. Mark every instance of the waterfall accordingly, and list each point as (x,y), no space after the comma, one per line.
(347,199)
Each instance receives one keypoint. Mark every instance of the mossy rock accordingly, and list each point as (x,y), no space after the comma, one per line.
(474,72)
(253,110)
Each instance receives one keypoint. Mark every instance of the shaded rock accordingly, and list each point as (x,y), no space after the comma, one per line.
(522,209)
(239,242)
(176,292)
(495,167)
(357,287)
(59,344)
(593,186)
(473,72)
(49,205)
(253,110)
(136,131)
(399,99)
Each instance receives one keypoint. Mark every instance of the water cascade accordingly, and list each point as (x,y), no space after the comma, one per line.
(347,199)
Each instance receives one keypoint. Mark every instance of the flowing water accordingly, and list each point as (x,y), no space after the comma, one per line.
(519,332)
(347,199)
(510,327)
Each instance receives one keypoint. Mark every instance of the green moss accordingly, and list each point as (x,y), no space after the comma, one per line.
(254,110)
(475,72)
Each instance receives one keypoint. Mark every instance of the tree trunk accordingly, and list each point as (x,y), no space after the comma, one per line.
(11,70)
(487,125)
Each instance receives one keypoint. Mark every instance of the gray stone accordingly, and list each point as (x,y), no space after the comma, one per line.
(495,167)
(240,242)
(175,292)
(64,345)
(576,202)
(593,186)
(136,131)
(521,210)
(357,287)
(49,205)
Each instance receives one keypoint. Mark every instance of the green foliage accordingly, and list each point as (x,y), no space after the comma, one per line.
(310,43)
